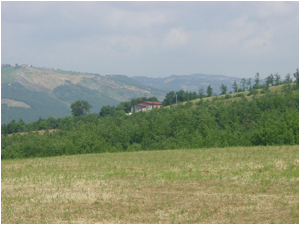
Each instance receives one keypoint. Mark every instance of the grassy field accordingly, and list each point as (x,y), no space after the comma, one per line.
(218,185)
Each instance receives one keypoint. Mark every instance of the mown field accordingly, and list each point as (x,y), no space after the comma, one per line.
(216,185)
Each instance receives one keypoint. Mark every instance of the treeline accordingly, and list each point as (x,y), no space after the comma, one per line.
(17,66)
(245,85)
(271,119)
(52,123)
(123,106)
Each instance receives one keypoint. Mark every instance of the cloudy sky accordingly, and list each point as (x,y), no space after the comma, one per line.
(155,39)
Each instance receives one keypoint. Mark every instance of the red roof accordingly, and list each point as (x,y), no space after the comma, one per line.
(149,103)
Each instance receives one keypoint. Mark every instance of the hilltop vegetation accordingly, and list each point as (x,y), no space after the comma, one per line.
(269,119)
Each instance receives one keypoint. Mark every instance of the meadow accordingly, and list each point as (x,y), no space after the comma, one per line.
(212,185)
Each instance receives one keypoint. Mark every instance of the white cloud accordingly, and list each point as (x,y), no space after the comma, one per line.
(137,20)
(277,9)
(138,35)
(175,37)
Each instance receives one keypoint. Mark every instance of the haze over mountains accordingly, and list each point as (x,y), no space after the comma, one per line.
(191,82)
(29,93)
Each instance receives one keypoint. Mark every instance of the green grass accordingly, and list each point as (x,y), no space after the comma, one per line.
(245,93)
(218,185)
(8,74)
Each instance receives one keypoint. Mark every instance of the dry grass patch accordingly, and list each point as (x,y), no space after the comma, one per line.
(13,103)
(228,185)
(38,131)
(51,79)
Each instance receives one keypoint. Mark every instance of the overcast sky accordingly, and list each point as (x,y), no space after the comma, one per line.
(154,39)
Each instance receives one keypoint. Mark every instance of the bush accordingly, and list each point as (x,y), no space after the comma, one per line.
(227,96)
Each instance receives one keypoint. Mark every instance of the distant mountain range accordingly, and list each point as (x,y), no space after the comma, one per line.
(189,82)
(29,93)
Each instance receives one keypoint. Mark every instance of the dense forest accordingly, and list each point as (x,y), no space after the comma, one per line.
(271,119)
(267,118)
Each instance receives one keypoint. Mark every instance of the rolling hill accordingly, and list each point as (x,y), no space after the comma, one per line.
(29,93)
(191,82)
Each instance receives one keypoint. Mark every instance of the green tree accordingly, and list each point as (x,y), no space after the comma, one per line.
(288,78)
(256,81)
(51,123)
(249,83)
(125,106)
(80,108)
(21,125)
(194,95)
(270,80)
(244,84)
(180,96)
(170,98)
(152,99)
(277,78)
(209,91)
(223,89)
(107,111)
(296,75)
(201,92)
(235,87)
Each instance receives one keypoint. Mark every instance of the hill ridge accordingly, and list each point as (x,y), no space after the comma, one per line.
(64,88)
(192,82)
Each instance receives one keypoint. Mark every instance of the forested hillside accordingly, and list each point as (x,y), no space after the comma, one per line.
(268,119)
(40,104)
(28,93)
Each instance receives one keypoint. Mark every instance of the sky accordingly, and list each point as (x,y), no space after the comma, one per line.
(154,39)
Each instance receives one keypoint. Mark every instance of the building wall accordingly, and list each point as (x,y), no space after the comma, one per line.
(143,107)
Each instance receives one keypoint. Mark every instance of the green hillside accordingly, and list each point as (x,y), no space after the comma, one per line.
(42,104)
(245,94)
(38,92)
(124,80)
(268,119)
(71,93)
(120,93)
(8,74)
